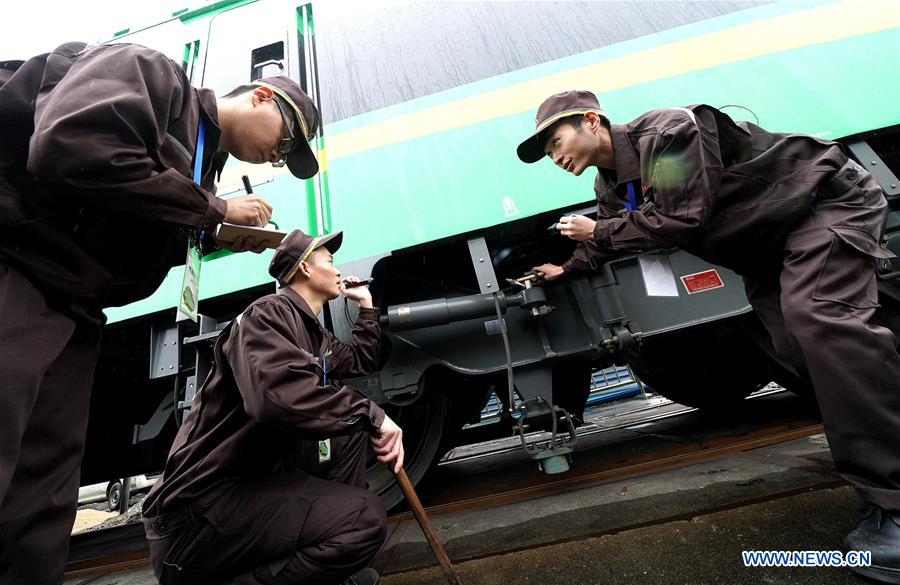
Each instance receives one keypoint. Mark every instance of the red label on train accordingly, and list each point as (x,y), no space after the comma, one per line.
(702,281)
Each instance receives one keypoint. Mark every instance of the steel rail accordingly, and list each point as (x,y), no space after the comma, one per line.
(595,475)
(110,564)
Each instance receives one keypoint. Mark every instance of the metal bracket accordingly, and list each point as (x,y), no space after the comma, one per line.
(164,350)
(531,298)
(624,337)
(152,428)
(190,390)
(202,343)
(484,269)
(867,157)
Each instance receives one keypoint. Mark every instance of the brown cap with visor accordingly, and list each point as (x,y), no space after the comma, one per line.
(556,107)
(296,248)
(300,160)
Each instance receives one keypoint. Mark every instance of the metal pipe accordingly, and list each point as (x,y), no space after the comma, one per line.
(441,311)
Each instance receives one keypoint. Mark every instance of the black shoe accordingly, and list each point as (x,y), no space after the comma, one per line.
(878,533)
(364,577)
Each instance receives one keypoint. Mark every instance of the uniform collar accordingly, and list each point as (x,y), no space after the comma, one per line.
(209,111)
(628,167)
(298,301)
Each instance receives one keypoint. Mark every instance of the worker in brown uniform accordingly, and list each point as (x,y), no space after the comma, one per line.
(794,216)
(265,482)
(102,184)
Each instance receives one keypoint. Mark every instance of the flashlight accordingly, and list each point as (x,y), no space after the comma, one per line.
(365,282)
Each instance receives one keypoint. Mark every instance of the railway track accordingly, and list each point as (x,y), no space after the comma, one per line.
(596,475)
(88,555)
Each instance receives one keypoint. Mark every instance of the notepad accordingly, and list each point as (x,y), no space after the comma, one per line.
(270,237)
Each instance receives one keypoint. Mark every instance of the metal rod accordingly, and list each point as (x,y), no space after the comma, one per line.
(425,524)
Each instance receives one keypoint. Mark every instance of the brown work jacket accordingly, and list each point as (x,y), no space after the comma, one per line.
(96,163)
(274,383)
(727,192)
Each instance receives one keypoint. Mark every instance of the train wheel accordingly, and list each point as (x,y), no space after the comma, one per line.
(424,425)
(712,368)
(114,495)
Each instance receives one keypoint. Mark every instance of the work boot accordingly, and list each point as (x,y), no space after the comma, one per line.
(878,533)
(364,577)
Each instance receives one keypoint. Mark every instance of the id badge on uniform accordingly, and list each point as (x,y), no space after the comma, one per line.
(325,451)
(190,284)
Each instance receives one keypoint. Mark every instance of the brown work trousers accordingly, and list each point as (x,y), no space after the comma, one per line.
(818,306)
(46,371)
(313,523)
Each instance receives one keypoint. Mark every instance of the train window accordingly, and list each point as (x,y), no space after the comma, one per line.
(245,43)
(267,61)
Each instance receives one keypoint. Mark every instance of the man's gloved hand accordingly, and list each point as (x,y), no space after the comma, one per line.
(387,443)
(549,271)
(250,210)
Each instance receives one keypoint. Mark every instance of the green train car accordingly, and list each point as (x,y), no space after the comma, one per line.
(423,105)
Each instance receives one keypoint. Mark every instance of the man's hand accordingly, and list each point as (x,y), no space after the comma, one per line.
(250,210)
(550,271)
(360,294)
(388,444)
(577,227)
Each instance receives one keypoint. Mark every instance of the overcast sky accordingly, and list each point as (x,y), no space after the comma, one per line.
(31,27)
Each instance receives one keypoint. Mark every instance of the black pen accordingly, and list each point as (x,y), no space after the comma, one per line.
(247,186)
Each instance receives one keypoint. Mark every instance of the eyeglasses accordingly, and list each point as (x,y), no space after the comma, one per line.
(285,145)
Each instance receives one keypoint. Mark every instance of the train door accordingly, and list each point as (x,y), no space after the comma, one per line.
(258,40)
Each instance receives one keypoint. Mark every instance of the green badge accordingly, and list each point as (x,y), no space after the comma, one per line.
(325,451)
(190,285)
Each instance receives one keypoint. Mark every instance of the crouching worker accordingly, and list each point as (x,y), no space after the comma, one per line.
(265,482)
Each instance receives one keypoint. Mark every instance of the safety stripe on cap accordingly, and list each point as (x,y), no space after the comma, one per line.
(310,248)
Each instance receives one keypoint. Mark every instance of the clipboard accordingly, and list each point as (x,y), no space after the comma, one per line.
(228,232)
